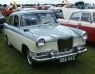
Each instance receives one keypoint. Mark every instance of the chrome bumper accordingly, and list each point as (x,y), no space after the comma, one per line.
(55,56)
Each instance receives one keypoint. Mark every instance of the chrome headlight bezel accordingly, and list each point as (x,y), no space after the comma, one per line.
(40,42)
(84,36)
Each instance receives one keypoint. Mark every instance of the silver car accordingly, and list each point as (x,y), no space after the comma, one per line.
(39,36)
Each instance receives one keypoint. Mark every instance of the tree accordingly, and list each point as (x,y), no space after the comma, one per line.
(0,4)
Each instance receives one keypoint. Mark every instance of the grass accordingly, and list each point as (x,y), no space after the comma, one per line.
(12,62)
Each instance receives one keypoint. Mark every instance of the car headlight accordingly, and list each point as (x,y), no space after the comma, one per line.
(40,43)
(84,36)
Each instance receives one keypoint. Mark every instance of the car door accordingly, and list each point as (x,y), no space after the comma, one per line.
(8,29)
(87,25)
(14,33)
(73,21)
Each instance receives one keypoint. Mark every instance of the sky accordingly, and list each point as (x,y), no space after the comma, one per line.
(41,1)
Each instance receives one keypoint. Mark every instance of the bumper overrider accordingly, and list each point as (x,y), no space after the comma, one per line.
(53,55)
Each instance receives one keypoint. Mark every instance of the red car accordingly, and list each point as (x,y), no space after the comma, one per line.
(82,19)
(7,12)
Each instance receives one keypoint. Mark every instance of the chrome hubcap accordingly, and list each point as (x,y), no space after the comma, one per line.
(29,59)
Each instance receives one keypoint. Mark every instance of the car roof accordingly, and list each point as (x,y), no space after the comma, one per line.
(85,10)
(56,8)
(22,9)
(31,11)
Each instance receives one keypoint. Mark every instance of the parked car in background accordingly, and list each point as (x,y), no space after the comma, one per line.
(40,38)
(2,8)
(63,12)
(57,12)
(27,9)
(2,20)
(82,19)
(7,12)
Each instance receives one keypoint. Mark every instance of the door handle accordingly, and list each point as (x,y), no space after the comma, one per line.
(79,24)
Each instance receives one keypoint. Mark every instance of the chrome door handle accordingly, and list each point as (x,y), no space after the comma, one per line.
(79,24)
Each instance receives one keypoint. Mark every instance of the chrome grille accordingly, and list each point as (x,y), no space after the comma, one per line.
(65,44)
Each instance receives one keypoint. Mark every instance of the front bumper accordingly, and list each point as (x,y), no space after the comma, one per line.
(56,56)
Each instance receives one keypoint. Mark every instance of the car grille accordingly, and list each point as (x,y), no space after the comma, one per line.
(65,44)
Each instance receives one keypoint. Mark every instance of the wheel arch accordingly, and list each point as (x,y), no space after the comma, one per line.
(25,49)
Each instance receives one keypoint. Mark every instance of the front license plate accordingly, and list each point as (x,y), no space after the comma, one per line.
(69,58)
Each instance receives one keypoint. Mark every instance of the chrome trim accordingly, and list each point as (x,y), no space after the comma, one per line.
(58,56)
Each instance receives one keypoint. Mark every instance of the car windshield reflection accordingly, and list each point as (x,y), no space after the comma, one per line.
(38,19)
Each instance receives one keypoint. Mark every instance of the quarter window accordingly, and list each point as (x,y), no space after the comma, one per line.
(86,17)
(75,16)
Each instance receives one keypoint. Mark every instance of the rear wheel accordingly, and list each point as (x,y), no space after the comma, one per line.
(8,42)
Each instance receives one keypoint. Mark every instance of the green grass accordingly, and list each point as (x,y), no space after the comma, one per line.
(12,62)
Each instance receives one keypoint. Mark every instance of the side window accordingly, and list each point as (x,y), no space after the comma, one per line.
(75,16)
(11,20)
(86,17)
(16,21)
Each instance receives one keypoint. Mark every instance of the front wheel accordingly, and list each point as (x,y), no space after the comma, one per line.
(30,60)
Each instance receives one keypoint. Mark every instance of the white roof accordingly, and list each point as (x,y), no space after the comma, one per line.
(27,9)
(85,10)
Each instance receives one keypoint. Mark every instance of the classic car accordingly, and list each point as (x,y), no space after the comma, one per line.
(7,12)
(63,12)
(39,36)
(84,20)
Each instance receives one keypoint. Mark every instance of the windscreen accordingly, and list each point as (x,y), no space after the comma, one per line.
(38,19)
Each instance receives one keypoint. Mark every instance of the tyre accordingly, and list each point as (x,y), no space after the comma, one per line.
(30,60)
(8,42)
